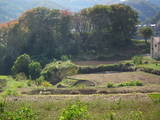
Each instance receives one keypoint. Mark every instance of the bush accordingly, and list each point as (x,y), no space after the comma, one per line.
(35,69)
(110,85)
(46,84)
(65,58)
(103,68)
(137,60)
(11,92)
(57,71)
(40,80)
(21,64)
(3,83)
(20,76)
(25,113)
(2,106)
(76,111)
(149,70)
(132,83)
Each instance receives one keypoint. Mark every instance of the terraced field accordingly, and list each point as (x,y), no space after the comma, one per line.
(102,79)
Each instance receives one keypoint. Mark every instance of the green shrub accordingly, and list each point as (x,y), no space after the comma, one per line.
(46,84)
(134,115)
(65,58)
(11,92)
(132,83)
(25,113)
(20,76)
(137,60)
(76,111)
(155,98)
(39,80)
(3,83)
(149,70)
(110,85)
(2,106)
(35,69)
(21,64)
(103,68)
(138,83)
(57,71)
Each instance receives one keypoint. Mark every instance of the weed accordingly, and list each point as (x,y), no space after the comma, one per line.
(110,85)
(76,111)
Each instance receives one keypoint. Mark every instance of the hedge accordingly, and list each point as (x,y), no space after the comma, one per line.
(102,68)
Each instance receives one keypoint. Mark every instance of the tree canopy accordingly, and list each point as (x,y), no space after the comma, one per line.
(47,34)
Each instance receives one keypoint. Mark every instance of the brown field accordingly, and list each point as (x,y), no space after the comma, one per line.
(102,79)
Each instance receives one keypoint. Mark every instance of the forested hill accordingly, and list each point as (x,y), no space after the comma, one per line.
(146,9)
(12,9)
(156,2)
(47,34)
(155,19)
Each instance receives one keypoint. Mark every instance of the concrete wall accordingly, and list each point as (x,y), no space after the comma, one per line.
(155,47)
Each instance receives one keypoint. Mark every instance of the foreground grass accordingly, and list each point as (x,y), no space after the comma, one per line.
(100,108)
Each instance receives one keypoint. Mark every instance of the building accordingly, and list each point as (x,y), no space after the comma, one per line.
(155,47)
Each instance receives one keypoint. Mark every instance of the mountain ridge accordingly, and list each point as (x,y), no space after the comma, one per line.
(12,10)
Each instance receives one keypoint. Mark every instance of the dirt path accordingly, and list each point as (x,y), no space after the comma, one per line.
(86,98)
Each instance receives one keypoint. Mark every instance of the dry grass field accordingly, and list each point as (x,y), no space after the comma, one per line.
(102,79)
(100,107)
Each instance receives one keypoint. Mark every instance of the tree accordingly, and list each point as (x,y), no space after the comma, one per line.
(146,33)
(57,71)
(124,20)
(99,16)
(21,64)
(113,26)
(34,69)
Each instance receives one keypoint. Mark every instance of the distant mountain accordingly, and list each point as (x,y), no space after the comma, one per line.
(145,8)
(155,2)
(154,20)
(77,5)
(11,9)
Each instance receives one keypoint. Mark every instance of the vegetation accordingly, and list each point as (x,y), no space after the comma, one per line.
(146,33)
(21,64)
(35,69)
(23,113)
(76,111)
(132,83)
(155,98)
(137,60)
(2,83)
(103,68)
(98,108)
(38,47)
(57,71)
(46,34)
